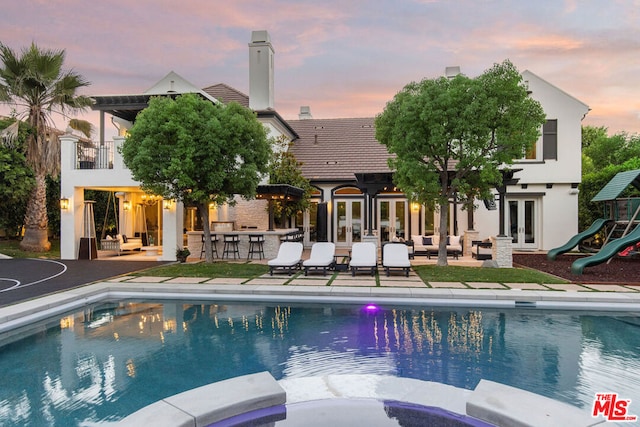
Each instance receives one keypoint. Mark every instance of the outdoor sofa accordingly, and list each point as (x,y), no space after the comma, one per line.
(120,243)
(428,245)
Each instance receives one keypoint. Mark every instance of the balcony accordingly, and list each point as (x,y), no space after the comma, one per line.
(92,156)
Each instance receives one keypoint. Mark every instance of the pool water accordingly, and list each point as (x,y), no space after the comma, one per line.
(105,362)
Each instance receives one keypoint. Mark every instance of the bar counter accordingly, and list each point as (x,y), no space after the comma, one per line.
(271,241)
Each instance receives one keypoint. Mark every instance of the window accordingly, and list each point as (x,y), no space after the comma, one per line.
(550,140)
(549,143)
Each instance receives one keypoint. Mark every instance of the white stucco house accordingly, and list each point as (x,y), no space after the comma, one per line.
(353,196)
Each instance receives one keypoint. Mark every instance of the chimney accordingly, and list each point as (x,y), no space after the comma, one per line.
(451,72)
(305,113)
(260,71)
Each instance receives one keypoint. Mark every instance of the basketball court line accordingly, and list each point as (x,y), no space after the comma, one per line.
(18,284)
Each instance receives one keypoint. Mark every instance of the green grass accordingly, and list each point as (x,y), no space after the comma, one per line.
(11,247)
(213,270)
(428,273)
(433,273)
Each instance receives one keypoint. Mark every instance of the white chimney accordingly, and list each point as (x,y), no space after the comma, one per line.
(260,71)
(451,72)
(305,113)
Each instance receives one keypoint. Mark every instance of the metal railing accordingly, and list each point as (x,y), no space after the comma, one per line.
(94,156)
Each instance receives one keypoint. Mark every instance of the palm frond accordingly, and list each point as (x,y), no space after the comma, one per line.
(82,126)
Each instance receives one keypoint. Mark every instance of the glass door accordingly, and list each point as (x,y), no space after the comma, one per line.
(348,220)
(307,222)
(392,220)
(522,223)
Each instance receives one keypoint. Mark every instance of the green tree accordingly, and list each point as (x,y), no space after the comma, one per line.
(35,83)
(197,152)
(450,137)
(285,169)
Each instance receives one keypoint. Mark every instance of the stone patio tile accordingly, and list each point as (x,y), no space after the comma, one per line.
(309,282)
(485,285)
(533,286)
(608,288)
(120,279)
(400,277)
(149,279)
(226,281)
(187,280)
(570,287)
(447,285)
(633,288)
(270,281)
(402,283)
(354,282)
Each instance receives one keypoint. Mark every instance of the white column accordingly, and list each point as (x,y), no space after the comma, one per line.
(172,220)
(70,219)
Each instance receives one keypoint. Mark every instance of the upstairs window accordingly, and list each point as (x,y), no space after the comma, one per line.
(550,140)
(547,149)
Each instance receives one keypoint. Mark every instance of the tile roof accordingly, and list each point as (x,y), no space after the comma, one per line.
(225,93)
(335,149)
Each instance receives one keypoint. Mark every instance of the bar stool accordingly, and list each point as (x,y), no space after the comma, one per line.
(214,248)
(230,246)
(256,246)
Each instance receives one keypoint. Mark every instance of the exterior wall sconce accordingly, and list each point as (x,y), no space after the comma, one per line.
(415,206)
(64,204)
(167,203)
(126,205)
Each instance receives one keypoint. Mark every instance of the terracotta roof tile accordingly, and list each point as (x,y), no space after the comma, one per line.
(225,93)
(335,149)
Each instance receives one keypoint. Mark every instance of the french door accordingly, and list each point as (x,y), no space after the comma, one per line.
(392,219)
(309,221)
(348,220)
(523,223)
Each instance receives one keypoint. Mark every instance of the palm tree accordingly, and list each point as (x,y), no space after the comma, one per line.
(37,86)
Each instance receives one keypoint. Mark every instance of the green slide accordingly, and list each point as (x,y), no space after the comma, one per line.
(575,240)
(609,250)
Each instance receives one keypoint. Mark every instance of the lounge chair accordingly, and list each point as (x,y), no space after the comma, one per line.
(396,255)
(364,255)
(289,257)
(321,257)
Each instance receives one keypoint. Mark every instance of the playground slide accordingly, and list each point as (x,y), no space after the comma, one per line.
(609,250)
(575,240)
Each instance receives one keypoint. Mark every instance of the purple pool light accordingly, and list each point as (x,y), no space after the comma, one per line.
(371,308)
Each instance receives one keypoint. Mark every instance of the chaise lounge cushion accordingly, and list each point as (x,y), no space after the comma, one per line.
(322,256)
(289,257)
(396,255)
(363,255)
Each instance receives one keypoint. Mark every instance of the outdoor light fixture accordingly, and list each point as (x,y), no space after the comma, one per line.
(415,206)
(167,203)
(126,205)
(64,204)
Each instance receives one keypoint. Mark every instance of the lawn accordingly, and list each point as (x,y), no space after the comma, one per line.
(11,247)
(426,272)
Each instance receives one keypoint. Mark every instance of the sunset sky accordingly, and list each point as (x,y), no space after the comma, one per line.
(343,58)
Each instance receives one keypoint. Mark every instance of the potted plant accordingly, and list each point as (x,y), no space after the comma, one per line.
(182,254)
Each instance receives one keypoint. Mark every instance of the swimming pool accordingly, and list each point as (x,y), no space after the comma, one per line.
(105,362)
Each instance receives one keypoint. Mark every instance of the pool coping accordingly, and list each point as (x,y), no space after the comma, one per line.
(491,402)
(18,316)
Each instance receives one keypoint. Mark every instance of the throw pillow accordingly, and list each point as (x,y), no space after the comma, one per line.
(427,241)
(124,239)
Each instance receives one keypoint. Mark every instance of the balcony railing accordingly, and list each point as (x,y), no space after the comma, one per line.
(99,156)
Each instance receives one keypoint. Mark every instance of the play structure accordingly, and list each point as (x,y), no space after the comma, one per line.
(621,226)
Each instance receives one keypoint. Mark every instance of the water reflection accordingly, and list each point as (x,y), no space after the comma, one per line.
(103,363)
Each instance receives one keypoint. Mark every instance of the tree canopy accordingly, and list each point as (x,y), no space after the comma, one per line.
(603,156)
(37,86)
(197,152)
(451,136)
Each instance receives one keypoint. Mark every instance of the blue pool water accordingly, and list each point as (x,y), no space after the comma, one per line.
(103,363)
